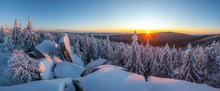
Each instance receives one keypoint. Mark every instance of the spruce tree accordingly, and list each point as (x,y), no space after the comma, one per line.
(190,69)
(134,62)
(8,43)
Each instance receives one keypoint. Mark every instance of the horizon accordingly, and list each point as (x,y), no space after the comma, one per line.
(115,16)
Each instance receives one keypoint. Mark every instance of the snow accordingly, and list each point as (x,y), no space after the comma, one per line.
(46,66)
(3,65)
(77,60)
(90,67)
(62,84)
(56,59)
(67,69)
(46,47)
(112,79)
(165,84)
(110,66)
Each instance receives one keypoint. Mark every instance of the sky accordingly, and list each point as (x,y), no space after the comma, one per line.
(184,16)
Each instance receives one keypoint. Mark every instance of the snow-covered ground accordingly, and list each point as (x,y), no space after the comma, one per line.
(3,66)
(62,84)
(111,78)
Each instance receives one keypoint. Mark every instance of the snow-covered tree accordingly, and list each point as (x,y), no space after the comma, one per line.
(134,62)
(148,58)
(21,68)
(211,61)
(8,43)
(166,69)
(1,33)
(175,57)
(107,49)
(190,69)
(30,38)
(15,31)
(93,55)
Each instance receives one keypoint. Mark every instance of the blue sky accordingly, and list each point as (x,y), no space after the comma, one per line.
(187,16)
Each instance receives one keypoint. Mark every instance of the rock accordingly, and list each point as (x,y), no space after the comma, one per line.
(92,65)
(46,66)
(45,48)
(68,70)
(65,47)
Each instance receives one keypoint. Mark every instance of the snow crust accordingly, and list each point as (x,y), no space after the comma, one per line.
(67,69)
(46,66)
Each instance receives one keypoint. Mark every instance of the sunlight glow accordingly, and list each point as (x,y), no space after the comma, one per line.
(148,32)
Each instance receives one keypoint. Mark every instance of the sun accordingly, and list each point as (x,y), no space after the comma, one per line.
(148,32)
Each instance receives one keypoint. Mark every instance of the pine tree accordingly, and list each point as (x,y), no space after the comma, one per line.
(29,36)
(21,68)
(166,69)
(212,64)
(190,69)
(93,55)
(1,33)
(15,32)
(148,59)
(175,56)
(134,62)
(107,49)
(8,44)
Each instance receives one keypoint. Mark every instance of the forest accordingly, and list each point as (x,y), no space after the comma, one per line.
(199,64)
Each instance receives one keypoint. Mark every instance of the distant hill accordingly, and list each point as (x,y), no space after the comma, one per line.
(160,39)
(207,40)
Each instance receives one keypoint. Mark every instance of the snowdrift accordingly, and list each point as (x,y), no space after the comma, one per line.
(165,84)
(62,84)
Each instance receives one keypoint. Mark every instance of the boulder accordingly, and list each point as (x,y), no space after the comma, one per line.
(68,70)
(46,66)
(65,47)
(45,48)
(92,65)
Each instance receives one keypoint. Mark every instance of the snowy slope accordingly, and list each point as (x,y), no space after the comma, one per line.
(113,79)
(164,84)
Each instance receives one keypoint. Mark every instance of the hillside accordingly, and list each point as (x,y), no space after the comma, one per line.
(206,40)
(160,39)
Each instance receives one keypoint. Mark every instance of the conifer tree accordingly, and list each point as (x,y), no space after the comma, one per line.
(190,69)
(166,69)
(8,43)
(134,62)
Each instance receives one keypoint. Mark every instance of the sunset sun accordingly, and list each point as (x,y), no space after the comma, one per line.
(148,32)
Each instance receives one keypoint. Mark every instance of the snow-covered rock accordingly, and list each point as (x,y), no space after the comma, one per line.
(77,60)
(47,67)
(93,64)
(67,69)
(112,79)
(45,48)
(56,59)
(62,84)
(110,66)
(65,47)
